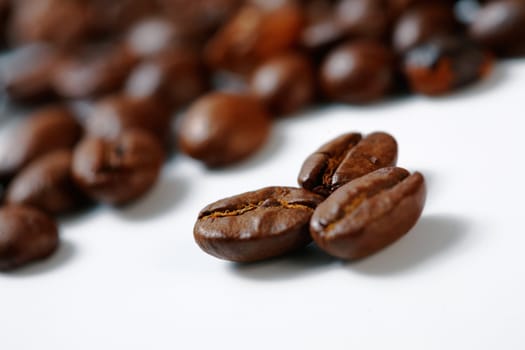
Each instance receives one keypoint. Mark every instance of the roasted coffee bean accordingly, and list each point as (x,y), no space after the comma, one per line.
(364,18)
(422,23)
(369,213)
(26,73)
(114,17)
(500,26)
(257,225)
(220,129)
(47,184)
(111,116)
(44,131)
(120,171)
(60,22)
(255,34)
(94,71)
(175,78)
(358,72)
(26,235)
(445,64)
(346,158)
(285,83)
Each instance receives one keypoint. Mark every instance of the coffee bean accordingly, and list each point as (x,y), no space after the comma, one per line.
(364,18)
(94,71)
(26,235)
(358,72)
(174,77)
(369,213)
(47,184)
(422,23)
(253,35)
(46,130)
(499,25)
(113,115)
(445,64)
(256,225)
(222,128)
(26,73)
(120,171)
(346,158)
(285,83)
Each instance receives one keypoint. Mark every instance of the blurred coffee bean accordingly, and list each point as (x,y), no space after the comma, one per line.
(114,17)
(254,35)
(44,131)
(94,71)
(285,83)
(175,78)
(113,115)
(120,171)
(500,26)
(422,23)
(445,64)
(26,73)
(60,22)
(358,72)
(364,18)
(47,184)
(220,129)
(26,235)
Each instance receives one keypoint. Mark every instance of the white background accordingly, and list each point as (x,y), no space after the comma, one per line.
(135,279)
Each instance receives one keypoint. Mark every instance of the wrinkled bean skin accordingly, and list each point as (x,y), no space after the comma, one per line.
(358,72)
(47,184)
(500,26)
(369,213)
(257,225)
(26,235)
(253,35)
(111,116)
(285,83)
(120,171)
(444,65)
(46,130)
(221,128)
(346,158)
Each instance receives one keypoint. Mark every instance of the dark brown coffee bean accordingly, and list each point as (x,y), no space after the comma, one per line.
(422,23)
(114,17)
(346,158)
(120,171)
(47,184)
(175,78)
(500,26)
(45,131)
(257,225)
(358,72)
(364,18)
(26,235)
(254,35)
(94,71)
(369,213)
(26,73)
(110,117)
(444,65)
(285,83)
(222,128)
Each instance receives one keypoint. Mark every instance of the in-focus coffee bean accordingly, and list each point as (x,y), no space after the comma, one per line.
(119,171)
(222,128)
(346,158)
(257,225)
(47,184)
(26,235)
(369,213)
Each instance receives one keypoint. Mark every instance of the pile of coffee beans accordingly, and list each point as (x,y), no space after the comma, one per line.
(228,68)
(353,202)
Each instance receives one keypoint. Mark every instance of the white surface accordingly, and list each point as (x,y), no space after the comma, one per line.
(134,279)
